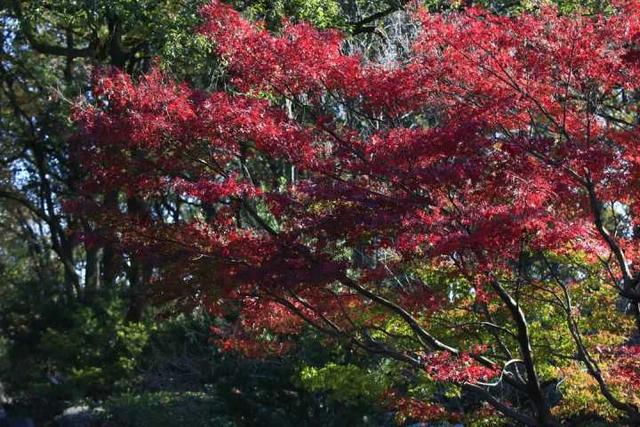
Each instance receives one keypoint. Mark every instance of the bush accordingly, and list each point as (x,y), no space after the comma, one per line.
(66,352)
(168,409)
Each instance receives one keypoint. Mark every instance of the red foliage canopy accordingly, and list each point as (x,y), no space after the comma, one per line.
(496,139)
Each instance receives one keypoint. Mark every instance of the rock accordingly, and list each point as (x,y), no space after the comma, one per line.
(4,398)
(79,416)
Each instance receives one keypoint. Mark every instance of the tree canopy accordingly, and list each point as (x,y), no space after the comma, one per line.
(379,212)
(465,206)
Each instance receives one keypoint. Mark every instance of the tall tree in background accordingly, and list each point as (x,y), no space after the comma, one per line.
(48,50)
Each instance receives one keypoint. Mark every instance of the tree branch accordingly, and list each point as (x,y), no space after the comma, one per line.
(39,46)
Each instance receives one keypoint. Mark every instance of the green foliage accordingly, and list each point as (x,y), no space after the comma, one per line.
(345,383)
(180,358)
(423,387)
(166,409)
(67,351)
(99,352)
(321,13)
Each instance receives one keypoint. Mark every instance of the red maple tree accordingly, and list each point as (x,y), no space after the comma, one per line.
(332,191)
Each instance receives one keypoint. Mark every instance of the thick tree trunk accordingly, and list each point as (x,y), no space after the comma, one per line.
(91,274)
(140,269)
